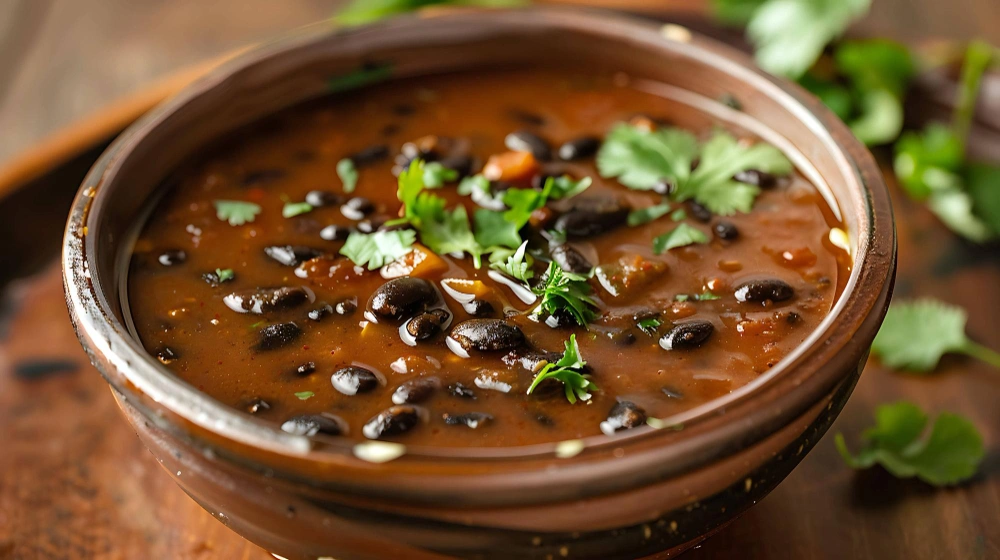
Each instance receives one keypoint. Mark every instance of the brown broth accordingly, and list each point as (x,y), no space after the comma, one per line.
(173,307)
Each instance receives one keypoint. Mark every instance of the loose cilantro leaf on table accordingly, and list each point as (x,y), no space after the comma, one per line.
(236,212)
(379,248)
(566,292)
(292,209)
(348,174)
(680,236)
(950,454)
(915,334)
(360,12)
(641,158)
(569,371)
(517,266)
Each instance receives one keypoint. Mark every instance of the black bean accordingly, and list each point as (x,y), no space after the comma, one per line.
(763,290)
(726,231)
(544,420)
(400,298)
(319,199)
(427,324)
(621,337)
(257,405)
(579,148)
(687,335)
(462,163)
(392,421)
(416,390)
(291,255)
(487,335)
(166,355)
(665,187)
(370,225)
(346,306)
(757,178)
(352,380)
(312,424)
(334,232)
(370,155)
(459,390)
(403,110)
(525,141)
(306,369)
(266,300)
(624,415)
(357,208)
(277,335)
(571,260)
(793,318)
(391,129)
(172,257)
(592,216)
(262,176)
(672,393)
(699,212)
(526,117)
(320,312)
(470,419)
(213,280)
(479,308)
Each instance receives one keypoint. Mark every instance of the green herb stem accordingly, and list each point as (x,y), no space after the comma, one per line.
(977,60)
(981,352)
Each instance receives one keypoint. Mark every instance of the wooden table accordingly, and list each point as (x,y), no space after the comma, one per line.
(76,483)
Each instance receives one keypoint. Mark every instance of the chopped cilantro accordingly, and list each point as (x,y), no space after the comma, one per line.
(224,274)
(678,215)
(378,248)
(707,296)
(565,292)
(360,12)
(566,187)
(516,265)
(348,174)
(915,334)
(641,158)
(648,214)
(236,212)
(649,325)
(305,395)
(436,175)
(682,297)
(950,454)
(680,236)
(569,371)
(293,209)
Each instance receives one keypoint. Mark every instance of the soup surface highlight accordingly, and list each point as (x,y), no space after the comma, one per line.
(641,289)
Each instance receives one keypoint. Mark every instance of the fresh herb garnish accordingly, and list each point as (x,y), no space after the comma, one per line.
(648,214)
(436,175)
(224,274)
(348,174)
(479,189)
(707,296)
(678,215)
(680,236)
(649,325)
(950,454)
(516,266)
(305,395)
(641,158)
(360,12)
(915,334)
(378,248)
(292,209)
(565,186)
(236,212)
(682,297)
(493,230)
(565,292)
(569,371)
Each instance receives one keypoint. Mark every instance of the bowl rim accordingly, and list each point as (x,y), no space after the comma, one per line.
(136,375)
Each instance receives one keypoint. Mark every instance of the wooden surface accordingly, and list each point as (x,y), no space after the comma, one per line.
(76,483)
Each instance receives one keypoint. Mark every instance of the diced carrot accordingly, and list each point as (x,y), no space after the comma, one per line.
(511,166)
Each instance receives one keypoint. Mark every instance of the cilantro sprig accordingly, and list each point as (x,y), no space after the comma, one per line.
(236,212)
(566,292)
(379,248)
(569,371)
(916,334)
(949,454)
(516,266)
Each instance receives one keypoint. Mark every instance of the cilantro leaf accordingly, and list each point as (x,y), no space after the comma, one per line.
(305,395)
(915,334)
(875,64)
(712,184)
(678,215)
(954,207)
(566,292)
(224,274)
(378,248)
(735,12)
(436,175)
(493,230)
(292,209)
(516,265)
(640,158)
(880,119)
(569,371)
(360,12)
(478,188)
(522,202)
(929,161)
(950,454)
(649,325)
(646,215)
(236,212)
(447,232)
(565,186)
(789,35)
(348,174)
(680,236)
(983,184)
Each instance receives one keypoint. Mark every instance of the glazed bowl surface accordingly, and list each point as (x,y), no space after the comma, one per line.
(650,492)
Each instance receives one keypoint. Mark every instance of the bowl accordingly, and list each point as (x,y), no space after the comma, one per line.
(649,493)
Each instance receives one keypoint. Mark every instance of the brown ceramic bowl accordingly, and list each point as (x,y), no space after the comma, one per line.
(648,493)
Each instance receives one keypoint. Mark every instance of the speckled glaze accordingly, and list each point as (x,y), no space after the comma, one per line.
(647,493)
